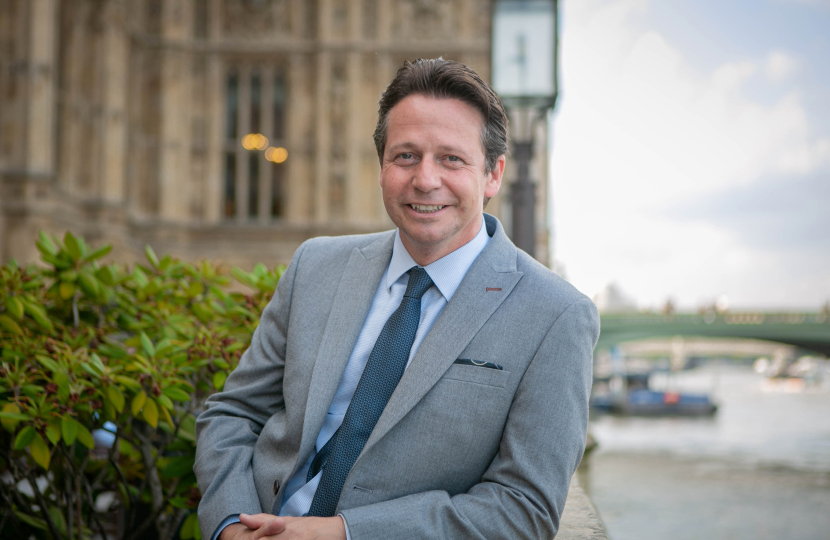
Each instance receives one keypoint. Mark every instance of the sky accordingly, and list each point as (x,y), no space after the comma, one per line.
(691,151)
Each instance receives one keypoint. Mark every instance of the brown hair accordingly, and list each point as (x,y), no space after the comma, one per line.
(439,78)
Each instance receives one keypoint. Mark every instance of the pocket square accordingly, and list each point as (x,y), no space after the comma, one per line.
(478,363)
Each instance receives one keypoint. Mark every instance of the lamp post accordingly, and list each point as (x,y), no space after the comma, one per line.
(524,68)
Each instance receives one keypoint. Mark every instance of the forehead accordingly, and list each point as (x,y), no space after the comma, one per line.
(425,116)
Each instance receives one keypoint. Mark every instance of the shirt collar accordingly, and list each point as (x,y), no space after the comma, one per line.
(447,272)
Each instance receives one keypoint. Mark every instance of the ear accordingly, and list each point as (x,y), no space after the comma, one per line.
(493,180)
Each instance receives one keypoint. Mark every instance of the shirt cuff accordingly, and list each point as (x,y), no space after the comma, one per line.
(234,518)
(345,525)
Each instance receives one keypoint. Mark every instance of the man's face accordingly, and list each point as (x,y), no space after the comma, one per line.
(432,174)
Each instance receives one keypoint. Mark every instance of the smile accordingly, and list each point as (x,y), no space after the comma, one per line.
(426,208)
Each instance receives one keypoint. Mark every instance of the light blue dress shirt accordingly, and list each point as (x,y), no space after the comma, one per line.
(446,273)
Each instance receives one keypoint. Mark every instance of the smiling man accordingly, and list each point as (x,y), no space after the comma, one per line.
(427,382)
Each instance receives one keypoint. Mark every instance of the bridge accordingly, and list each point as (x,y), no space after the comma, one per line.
(807,330)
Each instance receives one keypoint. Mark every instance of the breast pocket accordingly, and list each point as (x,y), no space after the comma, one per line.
(478,375)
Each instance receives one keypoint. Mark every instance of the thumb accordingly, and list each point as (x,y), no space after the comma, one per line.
(263,524)
(254,521)
(275,525)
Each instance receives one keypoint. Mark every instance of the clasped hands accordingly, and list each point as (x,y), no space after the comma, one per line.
(267,526)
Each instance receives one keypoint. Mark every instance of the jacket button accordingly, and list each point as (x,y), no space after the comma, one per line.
(276,486)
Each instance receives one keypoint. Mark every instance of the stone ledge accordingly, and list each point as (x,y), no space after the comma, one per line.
(580,520)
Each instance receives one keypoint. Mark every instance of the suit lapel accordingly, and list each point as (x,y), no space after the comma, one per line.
(470,307)
(351,304)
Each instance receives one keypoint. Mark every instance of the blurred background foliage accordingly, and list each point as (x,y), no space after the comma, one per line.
(104,369)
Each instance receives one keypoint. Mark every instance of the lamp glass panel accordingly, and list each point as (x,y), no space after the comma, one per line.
(523,48)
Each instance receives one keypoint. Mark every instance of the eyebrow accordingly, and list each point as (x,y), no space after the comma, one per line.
(408,145)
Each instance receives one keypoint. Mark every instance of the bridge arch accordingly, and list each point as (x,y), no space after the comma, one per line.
(807,330)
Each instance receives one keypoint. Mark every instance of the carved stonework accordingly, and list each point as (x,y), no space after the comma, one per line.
(426,19)
(338,135)
(248,19)
(339,19)
(482,17)
(370,19)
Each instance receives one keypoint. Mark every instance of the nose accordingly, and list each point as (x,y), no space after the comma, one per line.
(427,176)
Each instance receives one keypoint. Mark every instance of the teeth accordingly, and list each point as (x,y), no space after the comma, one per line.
(426,208)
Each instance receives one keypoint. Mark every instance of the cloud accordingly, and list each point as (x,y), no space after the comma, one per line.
(643,139)
(777,215)
(780,66)
(823,3)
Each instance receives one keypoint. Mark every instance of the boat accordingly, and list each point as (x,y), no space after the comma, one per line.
(629,394)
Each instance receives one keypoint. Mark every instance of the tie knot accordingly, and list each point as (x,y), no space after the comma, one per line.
(419,282)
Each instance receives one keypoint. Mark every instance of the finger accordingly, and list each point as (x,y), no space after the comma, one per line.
(272,527)
(254,521)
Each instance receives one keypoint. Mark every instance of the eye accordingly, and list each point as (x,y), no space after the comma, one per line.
(453,158)
(405,155)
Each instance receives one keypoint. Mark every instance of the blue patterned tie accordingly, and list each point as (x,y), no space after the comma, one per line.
(383,370)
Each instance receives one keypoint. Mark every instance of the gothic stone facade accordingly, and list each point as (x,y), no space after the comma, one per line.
(122,120)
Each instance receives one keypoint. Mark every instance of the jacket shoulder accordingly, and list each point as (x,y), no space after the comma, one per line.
(336,250)
(558,293)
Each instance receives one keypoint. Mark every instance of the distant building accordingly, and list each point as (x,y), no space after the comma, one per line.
(124,120)
(612,299)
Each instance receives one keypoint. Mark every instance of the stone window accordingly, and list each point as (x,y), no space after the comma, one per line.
(255,153)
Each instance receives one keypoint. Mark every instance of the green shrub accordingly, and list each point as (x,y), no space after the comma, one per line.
(84,344)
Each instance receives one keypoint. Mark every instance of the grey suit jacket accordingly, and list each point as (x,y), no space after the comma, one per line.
(460,451)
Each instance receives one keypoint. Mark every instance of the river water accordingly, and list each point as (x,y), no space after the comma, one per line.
(759,469)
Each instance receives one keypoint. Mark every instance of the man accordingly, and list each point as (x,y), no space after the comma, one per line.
(429,382)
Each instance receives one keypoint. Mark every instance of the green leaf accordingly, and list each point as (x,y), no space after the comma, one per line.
(13,415)
(115,397)
(179,502)
(243,277)
(69,430)
(98,253)
(178,466)
(57,519)
(40,451)
(140,278)
(62,380)
(84,436)
(186,532)
(53,431)
(197,532)
(36,312)
(10,416)
(72,245)
(195,289)
(89,284)
(24,438)
(68,275)
(176,393)
(96,363)
(151,256)
(165,402)
(37,523)
(15,307)
(187,428)
(219,379)
(151,413)
(48,363)
(87,366)
(147,345)
(138,402)
(9,324)
(132,384)
(47,243)
(66,290)
(106,275)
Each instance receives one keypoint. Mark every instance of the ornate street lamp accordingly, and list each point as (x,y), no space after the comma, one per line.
(524,68)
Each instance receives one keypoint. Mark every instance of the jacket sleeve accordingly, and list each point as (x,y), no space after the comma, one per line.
(522,493)
(228,429)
